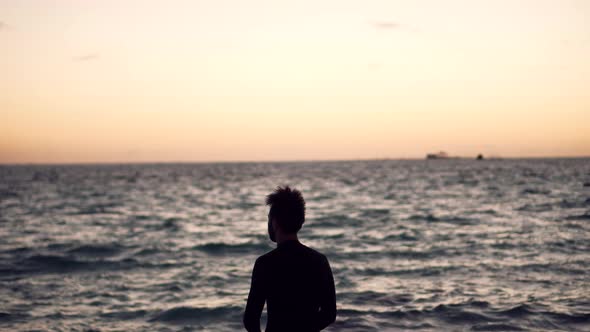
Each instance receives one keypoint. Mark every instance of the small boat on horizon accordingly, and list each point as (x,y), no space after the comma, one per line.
(438,155)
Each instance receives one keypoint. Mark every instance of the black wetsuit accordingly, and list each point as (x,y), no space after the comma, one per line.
(297,284)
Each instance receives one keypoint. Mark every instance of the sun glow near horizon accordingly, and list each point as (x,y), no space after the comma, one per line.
(116,81)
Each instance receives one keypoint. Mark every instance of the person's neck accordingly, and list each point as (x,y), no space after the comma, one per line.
(282,238)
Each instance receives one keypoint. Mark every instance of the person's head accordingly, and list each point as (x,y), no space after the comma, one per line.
(287,211)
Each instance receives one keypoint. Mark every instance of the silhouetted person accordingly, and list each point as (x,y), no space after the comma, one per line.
(295,281)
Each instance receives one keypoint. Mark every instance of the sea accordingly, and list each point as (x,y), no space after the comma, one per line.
(414,245)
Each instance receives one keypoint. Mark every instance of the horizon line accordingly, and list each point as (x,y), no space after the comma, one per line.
(66,163)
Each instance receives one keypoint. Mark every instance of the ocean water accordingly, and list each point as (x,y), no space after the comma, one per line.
(440,245)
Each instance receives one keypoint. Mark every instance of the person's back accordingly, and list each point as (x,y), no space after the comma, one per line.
(295,281)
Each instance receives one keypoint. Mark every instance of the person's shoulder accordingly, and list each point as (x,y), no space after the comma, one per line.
(266,257)
(314,253)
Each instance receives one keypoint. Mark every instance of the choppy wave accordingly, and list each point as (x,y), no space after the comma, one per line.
(65,264)
(584,216)
(183,315)
(228,248)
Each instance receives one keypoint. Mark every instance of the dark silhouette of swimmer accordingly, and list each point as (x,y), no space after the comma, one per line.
(295,281)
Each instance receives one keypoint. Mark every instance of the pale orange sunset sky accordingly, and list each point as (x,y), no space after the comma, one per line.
(116,81)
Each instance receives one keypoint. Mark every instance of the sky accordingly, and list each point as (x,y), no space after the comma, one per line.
(165,81)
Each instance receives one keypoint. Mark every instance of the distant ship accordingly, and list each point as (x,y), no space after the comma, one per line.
(439,155)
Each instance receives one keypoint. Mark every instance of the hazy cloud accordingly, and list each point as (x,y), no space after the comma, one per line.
(375,66)
(86,57)
(5,27)
(386,25)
